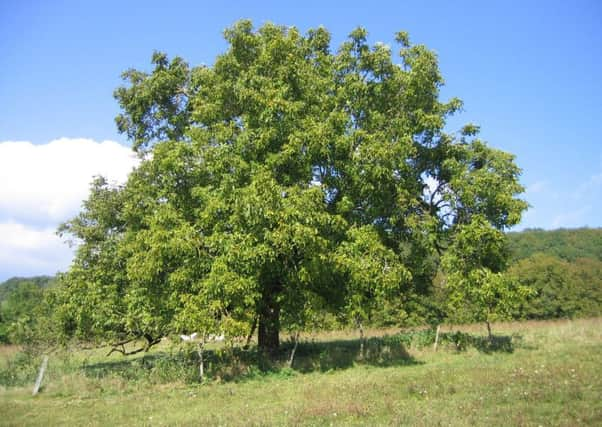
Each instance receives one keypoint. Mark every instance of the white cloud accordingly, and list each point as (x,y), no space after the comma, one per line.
(46,184)
(28,251)
(42,186)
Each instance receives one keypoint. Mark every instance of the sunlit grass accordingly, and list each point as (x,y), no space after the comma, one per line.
(551,378)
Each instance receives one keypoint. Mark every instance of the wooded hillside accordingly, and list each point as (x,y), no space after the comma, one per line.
(565,269)
(566,244)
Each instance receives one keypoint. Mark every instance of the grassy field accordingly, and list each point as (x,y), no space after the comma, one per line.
(550,373)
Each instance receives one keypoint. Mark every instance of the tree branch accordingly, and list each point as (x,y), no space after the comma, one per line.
(120,346)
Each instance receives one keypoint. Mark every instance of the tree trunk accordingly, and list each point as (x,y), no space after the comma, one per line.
(268,339)
(489,331)
(292,357)
(150,341)
(251,333)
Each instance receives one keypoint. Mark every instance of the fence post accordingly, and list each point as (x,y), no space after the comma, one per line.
(437,337)
(38,383)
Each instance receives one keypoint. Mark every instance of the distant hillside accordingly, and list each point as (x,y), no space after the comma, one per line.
(566,244)
(564,267)
(7,287)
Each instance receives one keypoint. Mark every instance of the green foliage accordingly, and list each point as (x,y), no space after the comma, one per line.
(372,271)
(11,284)
(484,296)
(568,245)
(282,182)
(562,289)
(475,245)
(19,370)
(564,267)
(23,308)
(476,287)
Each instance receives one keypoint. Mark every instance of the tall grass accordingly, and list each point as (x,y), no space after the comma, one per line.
(549,374)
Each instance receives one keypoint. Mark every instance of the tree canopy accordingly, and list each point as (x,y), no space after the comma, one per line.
(284,179)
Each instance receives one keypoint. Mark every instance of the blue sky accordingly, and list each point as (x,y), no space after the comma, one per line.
(528,72)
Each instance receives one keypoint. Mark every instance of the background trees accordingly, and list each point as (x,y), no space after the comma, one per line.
(565,244)
(562,267)
(560,289)
(283,179)
(23,308)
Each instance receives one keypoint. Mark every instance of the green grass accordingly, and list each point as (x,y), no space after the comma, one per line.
(551,376)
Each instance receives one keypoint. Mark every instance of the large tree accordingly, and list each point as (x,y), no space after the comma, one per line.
(282,179)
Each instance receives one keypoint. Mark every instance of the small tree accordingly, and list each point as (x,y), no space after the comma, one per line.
(476,287)
(485,296)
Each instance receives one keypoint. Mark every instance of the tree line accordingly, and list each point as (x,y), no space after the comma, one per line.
(563,267)
(20,302)
(562,288)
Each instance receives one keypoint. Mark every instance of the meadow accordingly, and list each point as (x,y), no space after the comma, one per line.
(534,373)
